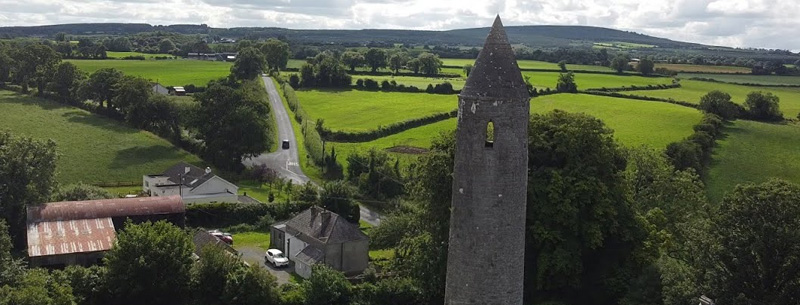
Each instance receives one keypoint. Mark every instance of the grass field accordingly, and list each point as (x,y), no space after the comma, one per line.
(691,91)
(261,192)
(703,68)
(91,148)
(147,56)
(166,72)
(529,64)
(354,110)
(635,123)
(251,239)
(747,78)
(587,81)
(754,152)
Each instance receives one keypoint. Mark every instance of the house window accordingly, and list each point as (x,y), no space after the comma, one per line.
(489,135)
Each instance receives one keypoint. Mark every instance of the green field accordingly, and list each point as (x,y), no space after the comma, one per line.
(703,68)
(754,152)
(595,81)
(112,54)
(353,110)
(529,64)
(91,148)
(747,78)
(635,123)
(691,91)
(166,72)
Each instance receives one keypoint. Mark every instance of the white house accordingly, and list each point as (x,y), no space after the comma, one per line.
(192,183)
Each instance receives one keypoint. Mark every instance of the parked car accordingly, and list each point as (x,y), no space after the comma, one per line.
(285,144)
(225,237)
(276,258)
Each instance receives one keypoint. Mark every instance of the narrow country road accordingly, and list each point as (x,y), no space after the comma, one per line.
(286,161)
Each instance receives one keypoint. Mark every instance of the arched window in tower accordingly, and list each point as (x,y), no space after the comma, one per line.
(490,135)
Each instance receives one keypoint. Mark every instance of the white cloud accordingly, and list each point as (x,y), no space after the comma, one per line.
(737,23)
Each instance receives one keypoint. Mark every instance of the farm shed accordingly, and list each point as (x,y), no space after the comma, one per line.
(179,91)
(319,236)
(80,232)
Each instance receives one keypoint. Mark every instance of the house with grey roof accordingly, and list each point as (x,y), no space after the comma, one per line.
(319,236)
(193,184)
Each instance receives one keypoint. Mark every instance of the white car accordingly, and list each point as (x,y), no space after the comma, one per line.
(276,258)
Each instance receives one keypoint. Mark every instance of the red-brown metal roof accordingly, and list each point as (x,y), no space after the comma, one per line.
(118,207)
(70,236)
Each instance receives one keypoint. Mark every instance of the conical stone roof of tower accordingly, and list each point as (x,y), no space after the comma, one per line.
(496,73)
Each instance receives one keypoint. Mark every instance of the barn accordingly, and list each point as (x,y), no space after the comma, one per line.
(80,232)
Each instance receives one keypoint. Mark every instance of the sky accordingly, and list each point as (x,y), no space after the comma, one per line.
(735,23)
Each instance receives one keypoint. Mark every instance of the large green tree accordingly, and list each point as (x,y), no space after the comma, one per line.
(34,63)
(27,169)
(753,255)
(252,285)
(210,274)
(157,114)
(249,63)
(232,121)
(429,63)
(101,86)
(67,81)
(396,61)
(131,92)
(375,58)
(166,46)
(353,60)
(276,53)
(646,66)
(584,237)
(620,63)
(719,103)
(327,286)
(763,106)
(150,264)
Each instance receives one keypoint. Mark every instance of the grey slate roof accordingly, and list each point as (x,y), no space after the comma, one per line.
(195,177)
(324,226)
(496,73)
(310,255)
(202,239)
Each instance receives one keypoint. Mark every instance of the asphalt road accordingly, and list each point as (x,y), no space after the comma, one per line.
(286,161)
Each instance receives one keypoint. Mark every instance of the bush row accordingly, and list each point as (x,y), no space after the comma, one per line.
(312,138)
(383,131)
(635,88)
(392,86)
(695,151)
(221,215)
(711,80)
(134,57)
(441,75)
(640,97)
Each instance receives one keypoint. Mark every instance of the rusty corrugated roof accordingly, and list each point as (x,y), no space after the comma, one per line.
(118,207)
(70,236)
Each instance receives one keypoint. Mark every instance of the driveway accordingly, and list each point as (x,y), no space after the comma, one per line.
(286,161)
(253,255)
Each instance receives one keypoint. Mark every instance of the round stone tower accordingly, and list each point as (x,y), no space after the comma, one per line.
(487,226)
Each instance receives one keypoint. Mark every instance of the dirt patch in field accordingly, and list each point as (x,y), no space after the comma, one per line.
(407,150)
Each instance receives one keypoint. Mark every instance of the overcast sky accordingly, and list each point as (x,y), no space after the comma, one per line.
(736,23)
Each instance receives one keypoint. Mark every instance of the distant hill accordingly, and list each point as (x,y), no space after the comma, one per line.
(537,35)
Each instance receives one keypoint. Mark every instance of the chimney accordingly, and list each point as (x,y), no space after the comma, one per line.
(186,170)
(208,170)
(324,218)
(314,212)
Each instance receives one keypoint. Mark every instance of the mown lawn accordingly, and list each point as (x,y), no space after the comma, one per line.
(91,148)
(167,72)
(635,123)
(354,110)
(754,152)
(747,78)
(691,91)
(251,239)
(261,192)
(703,68)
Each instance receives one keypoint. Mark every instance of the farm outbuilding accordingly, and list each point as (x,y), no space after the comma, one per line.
(80,232)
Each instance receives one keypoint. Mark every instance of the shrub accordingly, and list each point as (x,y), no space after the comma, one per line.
(371,84)
(360,83)
(763,106)
(719,103)
(294,81)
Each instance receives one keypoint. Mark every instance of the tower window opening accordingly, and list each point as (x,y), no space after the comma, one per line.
(489,135)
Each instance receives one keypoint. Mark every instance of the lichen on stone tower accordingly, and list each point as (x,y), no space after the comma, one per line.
(496,73)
